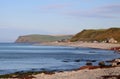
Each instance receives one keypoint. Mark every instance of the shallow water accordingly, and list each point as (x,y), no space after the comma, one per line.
(24,57)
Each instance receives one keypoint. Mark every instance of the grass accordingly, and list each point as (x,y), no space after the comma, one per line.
(41,38)
(98,35)
(25,75)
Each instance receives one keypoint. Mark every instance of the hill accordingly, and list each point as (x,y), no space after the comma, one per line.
(41,38)
(98,35)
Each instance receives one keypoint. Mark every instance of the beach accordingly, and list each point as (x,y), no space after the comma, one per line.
(83,44)
(104,73)
(84,72)
(111,73)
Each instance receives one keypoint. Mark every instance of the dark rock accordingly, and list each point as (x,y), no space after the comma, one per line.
(77,60)
(102,63)
(89,64)
(91,60)
(118,63)
(115,62)
(65,61)
(116,49)
(111,77)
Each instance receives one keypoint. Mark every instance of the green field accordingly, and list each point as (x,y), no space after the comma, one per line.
(41,38)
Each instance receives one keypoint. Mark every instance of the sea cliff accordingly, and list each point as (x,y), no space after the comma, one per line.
(36,38)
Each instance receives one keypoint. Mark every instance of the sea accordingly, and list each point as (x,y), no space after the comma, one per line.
(16,57)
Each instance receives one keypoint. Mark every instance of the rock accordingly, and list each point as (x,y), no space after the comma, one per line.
(102,63)
(91,60)
(116,49)
(65,61)
(89,64)
(111,77)
(116,62)
(77,60)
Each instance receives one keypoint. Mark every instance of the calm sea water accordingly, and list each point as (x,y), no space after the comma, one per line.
(24,57)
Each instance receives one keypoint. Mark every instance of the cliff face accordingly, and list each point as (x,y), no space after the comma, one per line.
(24,39)
(85,35)
(98,35)
(40,38)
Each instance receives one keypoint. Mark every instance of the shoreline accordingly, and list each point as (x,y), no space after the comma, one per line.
(106,46)
(85,72)
(81,73)
(95,73)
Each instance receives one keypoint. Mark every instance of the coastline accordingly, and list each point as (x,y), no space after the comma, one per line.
(85,72)
(108,46)
(111,73)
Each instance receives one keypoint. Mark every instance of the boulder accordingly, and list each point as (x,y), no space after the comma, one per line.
(116,62)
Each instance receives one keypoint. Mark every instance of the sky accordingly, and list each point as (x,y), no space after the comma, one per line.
(23,17)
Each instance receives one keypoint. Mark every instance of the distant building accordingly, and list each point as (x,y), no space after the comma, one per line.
(111,40)
(95,41)
(63,40)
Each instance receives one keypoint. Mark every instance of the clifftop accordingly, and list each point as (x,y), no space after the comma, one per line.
(85,35)
(34,38)
(98,35)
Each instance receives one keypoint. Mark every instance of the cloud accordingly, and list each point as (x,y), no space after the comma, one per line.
(109,11)
(114,8)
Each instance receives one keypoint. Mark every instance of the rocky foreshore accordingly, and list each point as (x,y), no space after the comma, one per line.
(116,49)
(88,72)
(102,71)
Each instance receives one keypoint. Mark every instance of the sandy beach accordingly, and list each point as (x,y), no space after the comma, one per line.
(84,74)
(83,44)
(104,73)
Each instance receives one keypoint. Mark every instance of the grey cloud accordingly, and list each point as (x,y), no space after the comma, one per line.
(109,11)
(114,8)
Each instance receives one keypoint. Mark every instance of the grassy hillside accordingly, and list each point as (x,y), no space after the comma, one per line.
(99,35)
(41,38)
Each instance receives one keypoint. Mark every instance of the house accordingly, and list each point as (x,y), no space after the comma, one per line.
(111,40)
